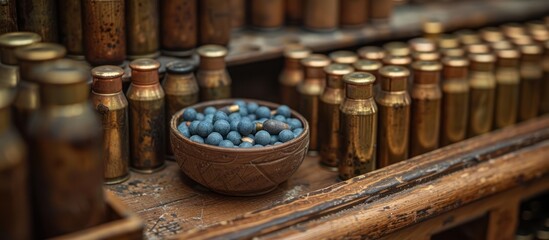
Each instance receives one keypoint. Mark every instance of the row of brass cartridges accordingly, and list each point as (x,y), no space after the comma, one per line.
(108,32)
(180,88)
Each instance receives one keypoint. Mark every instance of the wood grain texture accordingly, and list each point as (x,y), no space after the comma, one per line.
(169,203)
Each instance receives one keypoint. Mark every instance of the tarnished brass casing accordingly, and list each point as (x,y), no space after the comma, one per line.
(178,27)
(267,14)
(147,117)
(8,16)
(453,52)
(67,166)
(403,61)
(238,13)
(215,22)
(507,87)
(426,107)
(343,57)
(353,13)
(321,15)
(531,74)
(371,67)
(544,102)
(501,45)
(213,79)
(104,45)
(181,91)
(358,121)
(27,99)
(482,93)
(477,48)
(448,41)
(15,209)
(393,103)
(380,10)
(397,49)
(9,71)
(432,29)
(38,16)
(513,30)
(468,37)
(371,53)
(292,75)
(455,100)
(294,11)
(422,45)
(111,105)
(426,56)
(310,91)
(70,27)
(142,29)
(491,35)
(328,113)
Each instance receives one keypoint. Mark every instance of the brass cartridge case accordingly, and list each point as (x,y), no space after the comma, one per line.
(213,79)
(178,27)
(393,103)
(501,45)
(38,16)
(426,56)
(111,105)
(292,75)
(507,87)
(15,207)
(371,53)
(181,90)
(482,93)
(544,102)
(531,74)
(432,30)
(8,16)
(9,71)
(380,10)
(238,13)
(522,40)
(147,117)
(513,30)
(453,52)
(422,45)
(426,107)
(294,11)
(468,37)
(70,27)
(358,121)
(142,29)
(214,21)
(321,15)
(328,112)
(353,13)
(104,45)
(448,41)
(369,66)
(343,57)
(27,99)
(491,35)
(267,14)
(403,61)
(397,49)
(310,91)
(477,48)
(67,166)
(455,100)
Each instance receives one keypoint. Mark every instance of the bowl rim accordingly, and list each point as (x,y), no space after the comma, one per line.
(175,131)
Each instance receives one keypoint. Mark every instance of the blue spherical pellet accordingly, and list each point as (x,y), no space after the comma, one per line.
(294,123)
(200,116)
(240,103)
(252,107)
(210,110)
(193,127)
(274,139)
(204,128)
(226,143)
(214,139)
(252,136)
(286,135)
(252,117)
(263,112)
(219,115)
(245,127)
(262,120)
(222,127)
(277,143)
(279,118)
(262,137)
(196,138)
(245,145)
(234,125)
(234,137)
(297,131)
(284,111)
(183,129)
(209,118)
(235,116)
(258,145)
(189,114)
(243,111)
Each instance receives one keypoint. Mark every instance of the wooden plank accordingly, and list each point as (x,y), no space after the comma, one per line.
(378,184)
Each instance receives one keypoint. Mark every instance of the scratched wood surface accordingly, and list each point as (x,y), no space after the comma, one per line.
(169,203)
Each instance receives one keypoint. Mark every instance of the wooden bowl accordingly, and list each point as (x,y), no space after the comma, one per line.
(238,171)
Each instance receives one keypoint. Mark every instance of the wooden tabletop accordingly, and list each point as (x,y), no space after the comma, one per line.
(169,203)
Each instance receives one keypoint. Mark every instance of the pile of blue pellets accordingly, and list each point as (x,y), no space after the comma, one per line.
(241,125)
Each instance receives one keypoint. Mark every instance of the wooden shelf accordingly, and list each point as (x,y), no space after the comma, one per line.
(251,46)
